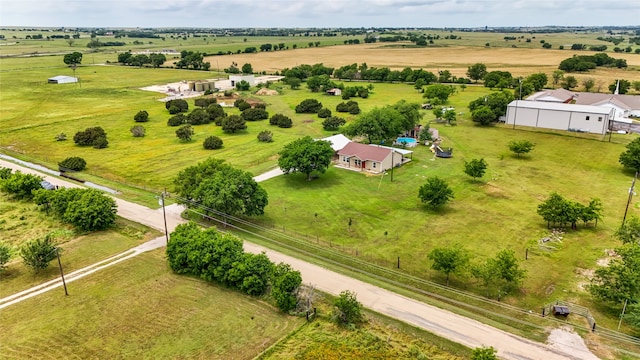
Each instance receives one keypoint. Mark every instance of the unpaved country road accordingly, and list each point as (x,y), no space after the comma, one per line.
(441,322)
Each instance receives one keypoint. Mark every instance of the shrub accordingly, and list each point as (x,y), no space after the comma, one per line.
(185,133)
(265,136)
(61,137)
(354,109)
(137,131)
(254,114)
(38,253)
(180,104)
(333,123)
(198,117)
(95,136)
(285,122)
(212,142)
(233,123)
(204,102)
(141,116)
(73,163)
(241,104)
(308,106)
(177,120)
(174,110)
(342,107)
(348,309)
(218,121)
(215,111)
(324,113)
(260,106)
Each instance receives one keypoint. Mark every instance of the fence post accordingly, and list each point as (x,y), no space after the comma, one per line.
(398,262)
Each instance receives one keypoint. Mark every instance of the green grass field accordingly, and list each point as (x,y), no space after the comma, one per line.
(22,221)
(140,309)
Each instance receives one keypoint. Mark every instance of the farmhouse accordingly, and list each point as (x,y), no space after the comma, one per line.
(370,158)
(62,79)
(251,79)
(625,106)
(559,116)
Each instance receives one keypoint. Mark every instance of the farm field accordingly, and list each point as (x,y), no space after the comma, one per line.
(494,213)
(140,309)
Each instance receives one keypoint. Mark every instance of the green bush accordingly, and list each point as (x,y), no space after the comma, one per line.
(265,136)
(141,116)
(324,113)
(73,163)
(212,142)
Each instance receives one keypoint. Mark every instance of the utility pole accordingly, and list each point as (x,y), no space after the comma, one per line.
(633,184)
(64,283)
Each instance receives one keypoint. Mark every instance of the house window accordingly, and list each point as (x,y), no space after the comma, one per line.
(587,118)
(345,159)
(374,165)
(599,118)
(358,162)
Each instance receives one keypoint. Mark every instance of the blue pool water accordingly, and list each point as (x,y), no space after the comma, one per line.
(407,140)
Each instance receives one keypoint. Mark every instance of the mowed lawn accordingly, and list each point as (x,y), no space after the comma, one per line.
(140,309)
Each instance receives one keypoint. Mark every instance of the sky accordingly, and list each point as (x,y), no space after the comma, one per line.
(318,13)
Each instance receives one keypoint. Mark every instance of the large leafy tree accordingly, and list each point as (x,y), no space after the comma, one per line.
(435,192)
(410,112)
(305,155)
(629,232)
(630,159)
(497,102)
(92,211)
(233,123)
(38,253)
(438,91)
(502,273)
(379,124)
(20,185)
(475,168)
(449,260)
(620,280)
(477,71)
(218,186)
(75,58)
(185,133)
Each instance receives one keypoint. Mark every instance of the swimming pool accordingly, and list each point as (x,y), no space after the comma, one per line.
(407,141)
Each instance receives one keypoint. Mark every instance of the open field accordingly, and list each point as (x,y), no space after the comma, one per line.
(496,212)
(21,222)
(140,309)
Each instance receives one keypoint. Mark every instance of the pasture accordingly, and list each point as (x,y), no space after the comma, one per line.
(496,212)
(140,309)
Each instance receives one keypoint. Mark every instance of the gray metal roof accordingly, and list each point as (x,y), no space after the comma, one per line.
(543,105)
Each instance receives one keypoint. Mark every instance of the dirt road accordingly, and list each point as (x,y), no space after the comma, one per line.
(441,322)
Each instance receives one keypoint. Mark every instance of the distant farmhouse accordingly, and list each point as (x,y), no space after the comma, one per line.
(562,109)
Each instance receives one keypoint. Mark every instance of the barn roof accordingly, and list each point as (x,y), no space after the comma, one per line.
(337,141)
(543,105)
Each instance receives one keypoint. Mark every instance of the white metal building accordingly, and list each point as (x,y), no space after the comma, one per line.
(62,79)
(560,116)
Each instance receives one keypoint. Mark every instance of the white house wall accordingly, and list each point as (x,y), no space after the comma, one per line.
(550,119)
(559,119)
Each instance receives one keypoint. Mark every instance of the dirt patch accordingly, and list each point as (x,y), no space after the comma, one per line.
(267,92)
(308,121)
(566,340)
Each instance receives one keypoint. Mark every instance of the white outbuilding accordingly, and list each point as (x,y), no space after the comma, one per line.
(62,79)
(560,116)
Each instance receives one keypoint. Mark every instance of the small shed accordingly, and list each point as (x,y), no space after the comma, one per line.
(560,310)
(62,79)
(334,92)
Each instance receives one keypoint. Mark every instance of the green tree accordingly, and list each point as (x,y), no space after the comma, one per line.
(435,192)
(5,255)
(256,270)
(73,163)
(38,253)
(477,71)
(294,83)
(483,115)
(438,91)
(450,117)
(630,159)
(185,133)
(508,270)
(475,168)
(569,82)
(306,155)
(348,310)
(177,120)
(212,142)
(557,76)
(410,112)
(333,123)
(93,136)
(449,260)
(519,147)
(141,116)
(157,60)
(622,86)
(484,353)
(285,284)
(632,317)
(91,211)
(247,69)
(215,111)
(255,114)
(233,123)
(379,124)
(324,113)
(75,58)
(538,80)
(588,84)
(181,104)
(308,106)
(243,85)
(218,186)
(20,185)
(629,231)
(620,280)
